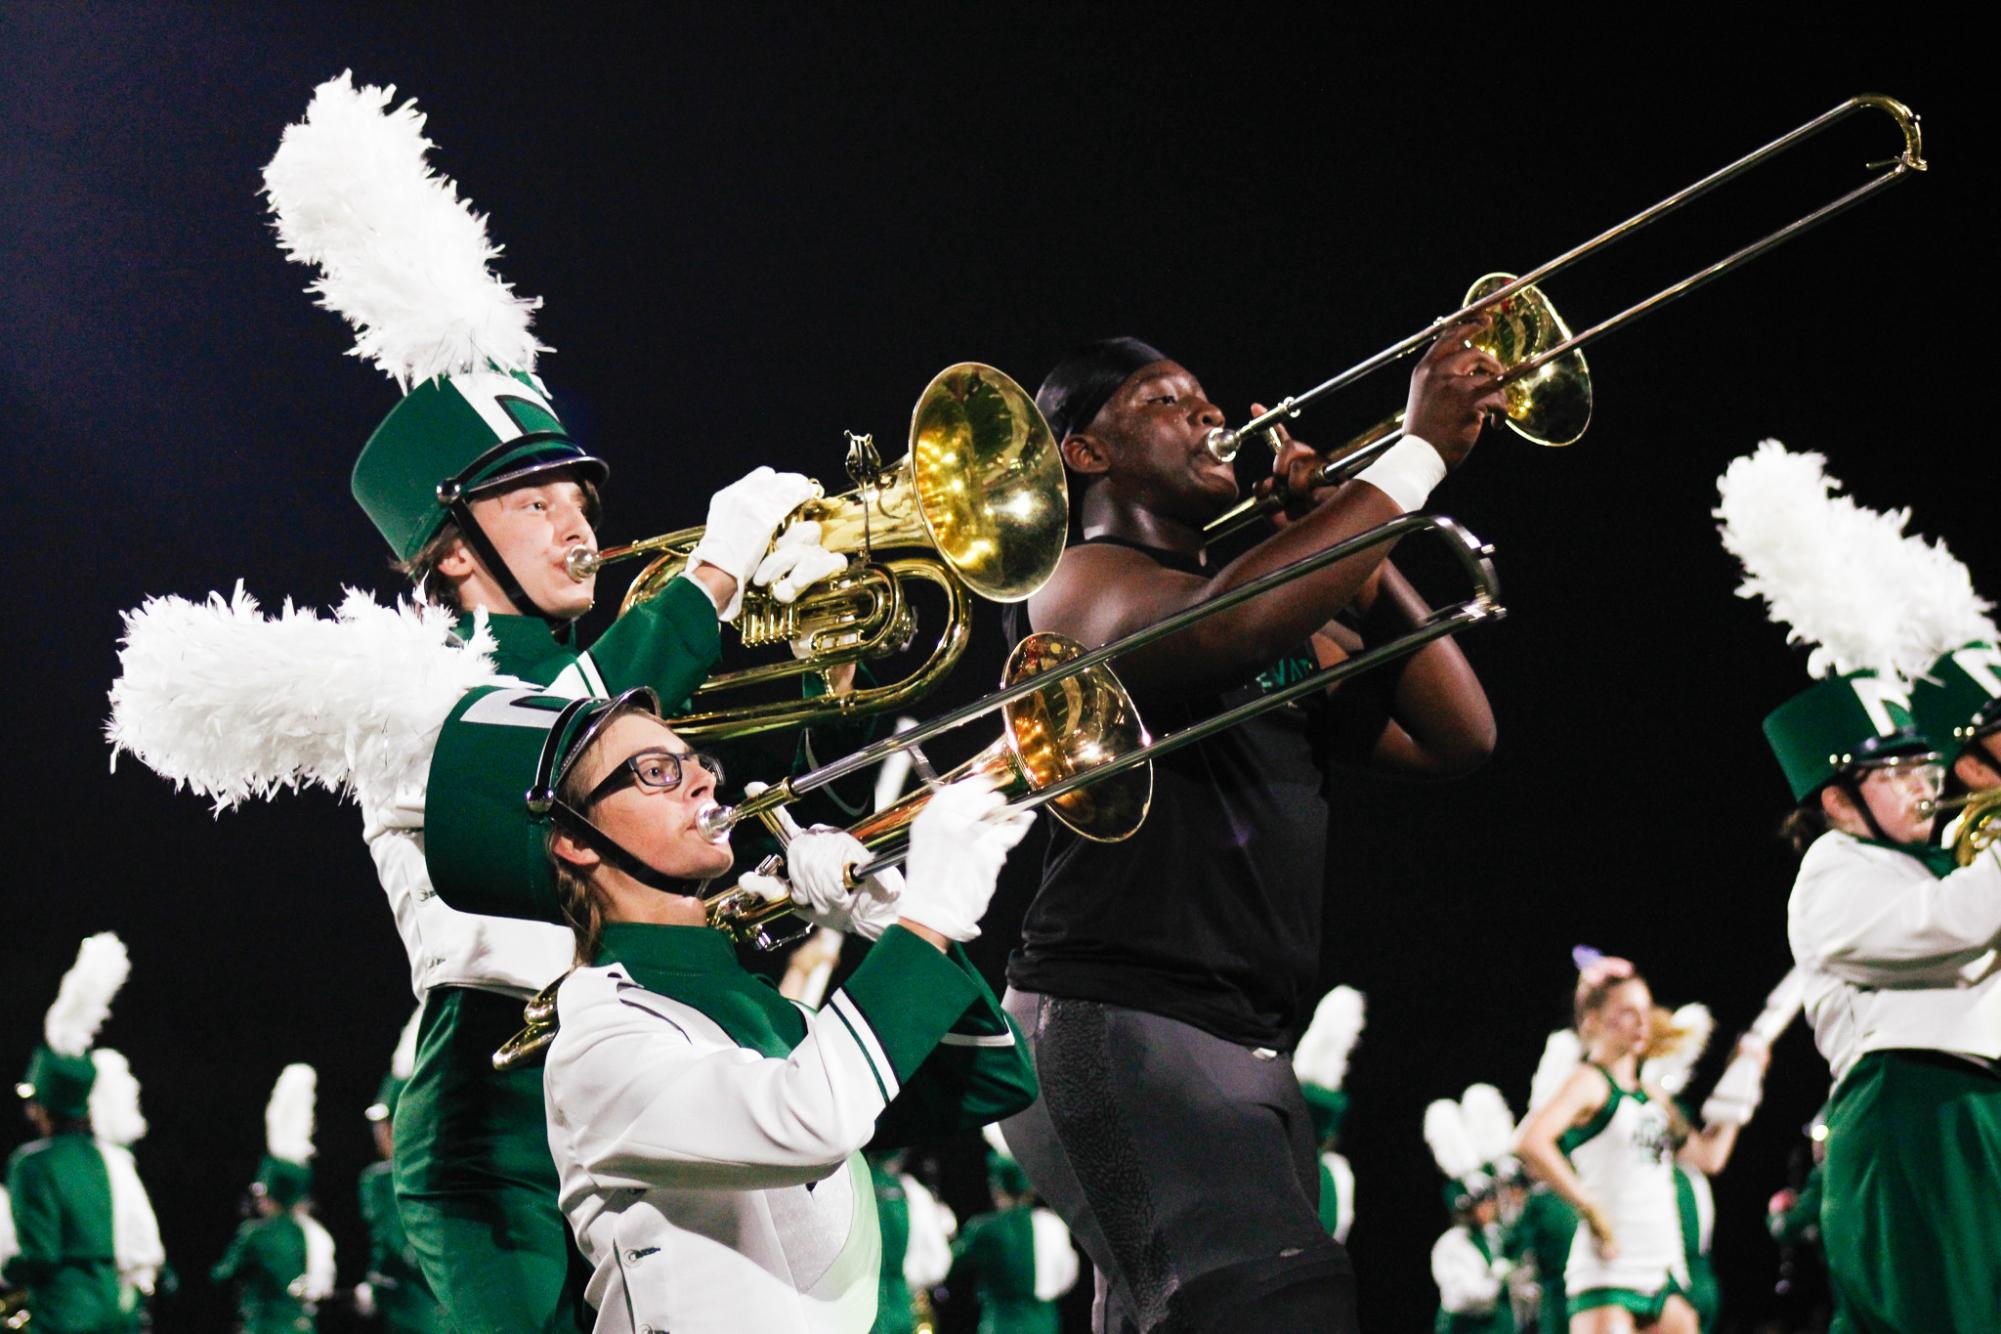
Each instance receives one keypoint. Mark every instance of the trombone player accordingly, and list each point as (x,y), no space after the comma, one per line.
(1163,980)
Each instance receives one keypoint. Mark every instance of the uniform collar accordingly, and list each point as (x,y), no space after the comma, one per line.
(526,638)
(1939,861)
(685,951)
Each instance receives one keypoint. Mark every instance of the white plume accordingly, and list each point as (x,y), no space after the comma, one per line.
(1842,578)
(83,1002)
(114,1100)
(217,697)
(404,1059)
(1322,1055)
(1452,1146)
(991,1133)
(1488,1121)
(1676,1058)
(288,1117)
(401,257)
(1562,1053)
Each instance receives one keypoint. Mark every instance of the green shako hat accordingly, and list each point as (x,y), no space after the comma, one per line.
(1836,724)
(491,801)
(285,1174)
(452,438)
(1004,1174)
(1328,1108)
(1960,697)
(61,1073)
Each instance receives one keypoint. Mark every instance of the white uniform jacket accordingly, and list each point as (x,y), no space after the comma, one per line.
(1469,1279)
(1896,956)
(708,1131)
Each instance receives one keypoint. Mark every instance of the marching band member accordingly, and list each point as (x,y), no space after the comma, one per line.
(1469,1260)
(118,1124)
(1903,975)
(1018,1259)
(282,1260)
(482,495)
(709,1131)
(1321,1062)
(1161,979)
(395,1288)
(1957,706)
(1608,1143)
(63,1195)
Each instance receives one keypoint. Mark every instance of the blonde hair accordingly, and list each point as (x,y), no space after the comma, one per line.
(582,902)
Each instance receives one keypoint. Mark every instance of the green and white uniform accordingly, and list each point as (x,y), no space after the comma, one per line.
(1626,1162)
(402,1297)
(893,1314)
(1337,1196)
(709,1131)
(1543,1234)
(1904,994)
(1018,1260)
(1472,1287)
(267,1260)
(61,1197)
(1697,1206)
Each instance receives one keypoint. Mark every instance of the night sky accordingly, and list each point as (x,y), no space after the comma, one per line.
(754,228)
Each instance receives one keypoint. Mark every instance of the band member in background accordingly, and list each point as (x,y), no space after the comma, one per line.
(1321,1062)
(282,1260)
(1469,1261)
(1016,1260)
(1161,979)
(118,1124)
(708,1130)
(482,494)
(395,1288)
(1957,705)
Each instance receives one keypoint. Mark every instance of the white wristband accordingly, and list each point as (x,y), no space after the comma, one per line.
(1406,472)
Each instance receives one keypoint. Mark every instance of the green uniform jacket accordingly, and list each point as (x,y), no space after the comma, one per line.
(996,1252)
(892,1214)
(266,1257)
(402,1296)
(670,643)
(1543,1233)
(62,1219)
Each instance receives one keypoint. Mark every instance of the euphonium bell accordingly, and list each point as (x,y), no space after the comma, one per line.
(1979,826)
(1073,725)
(981,488)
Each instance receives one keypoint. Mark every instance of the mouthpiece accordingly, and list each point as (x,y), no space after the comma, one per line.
(716,820)
(1223,443)
(581,563)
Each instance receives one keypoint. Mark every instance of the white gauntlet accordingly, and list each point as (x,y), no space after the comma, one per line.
(797,562)
(958,844)
(743,517)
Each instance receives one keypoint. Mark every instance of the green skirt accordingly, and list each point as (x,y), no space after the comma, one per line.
(475,1185)
(1911,1214)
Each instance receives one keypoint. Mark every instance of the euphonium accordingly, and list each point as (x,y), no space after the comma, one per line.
(981,488)
(1979,826)
(1071,726)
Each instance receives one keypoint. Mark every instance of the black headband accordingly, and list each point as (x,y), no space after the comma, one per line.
(1082,382)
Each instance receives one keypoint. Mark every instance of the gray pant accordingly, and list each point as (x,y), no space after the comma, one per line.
(1184,1165)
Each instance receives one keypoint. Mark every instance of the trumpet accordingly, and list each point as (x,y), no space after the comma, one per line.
(1546,382)
(1482,604)
(981,489)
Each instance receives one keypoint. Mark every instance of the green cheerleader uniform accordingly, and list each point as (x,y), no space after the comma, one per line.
(996,1252)
(892,1214)
(266,1257)
(61,1197)
(474,1181)
(402,1297)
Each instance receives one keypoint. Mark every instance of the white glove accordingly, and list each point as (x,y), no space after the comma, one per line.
(797,562)
(1738,1091)
(817,861)
(364,1299)
(743,518)
(958,844)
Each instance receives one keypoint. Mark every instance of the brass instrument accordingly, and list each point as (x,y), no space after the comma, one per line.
(981,488)
(1548,386)
(1065,727)
(1979,825)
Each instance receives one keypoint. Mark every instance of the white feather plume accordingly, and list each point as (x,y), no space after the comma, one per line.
(401,257)
(403,1060)
(1322,1055)
(1452,1146)
(991,1133)
(1488,1121)
(1671,1067)
(1844,579)
(220,698)
(1562,1053)
(83,1001)
(288,1117)
(114,1100)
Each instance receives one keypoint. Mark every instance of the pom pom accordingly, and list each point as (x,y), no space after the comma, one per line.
(1845,580)
(83,1002)
(1677,1043)
(402,258)
(217,697)
(114,1100)
(288,1117)
(1322,1055)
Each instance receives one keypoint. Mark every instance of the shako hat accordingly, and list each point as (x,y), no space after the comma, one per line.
(61,1073)
(1959,697)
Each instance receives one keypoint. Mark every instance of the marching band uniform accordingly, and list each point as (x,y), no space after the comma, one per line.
(1017,1259)
(116,1121)
(60,1188)
(283,1260)
(1542,1235)
(1321,1062)
(395,1288)
(1469,1261)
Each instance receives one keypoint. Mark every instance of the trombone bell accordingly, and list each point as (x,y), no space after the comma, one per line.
(1552,404)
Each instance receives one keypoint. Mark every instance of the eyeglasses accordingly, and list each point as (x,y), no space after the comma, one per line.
(1924,774)
(659,770)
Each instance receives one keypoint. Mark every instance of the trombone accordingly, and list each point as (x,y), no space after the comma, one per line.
(1076,737)
(981,489)
(1547,383)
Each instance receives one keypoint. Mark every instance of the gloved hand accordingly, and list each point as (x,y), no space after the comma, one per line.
(958,844)
(797,562)
(817,861)
(364,1300)
(743,517)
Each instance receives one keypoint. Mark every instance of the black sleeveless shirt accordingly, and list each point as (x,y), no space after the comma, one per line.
(1211,913)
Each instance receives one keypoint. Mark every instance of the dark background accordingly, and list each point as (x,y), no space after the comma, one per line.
(753,231)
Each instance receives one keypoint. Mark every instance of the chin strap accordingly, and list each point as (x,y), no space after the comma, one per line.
(452,494)
(1846,782)
(577,826)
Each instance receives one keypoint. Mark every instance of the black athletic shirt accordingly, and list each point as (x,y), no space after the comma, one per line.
(1211,913)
